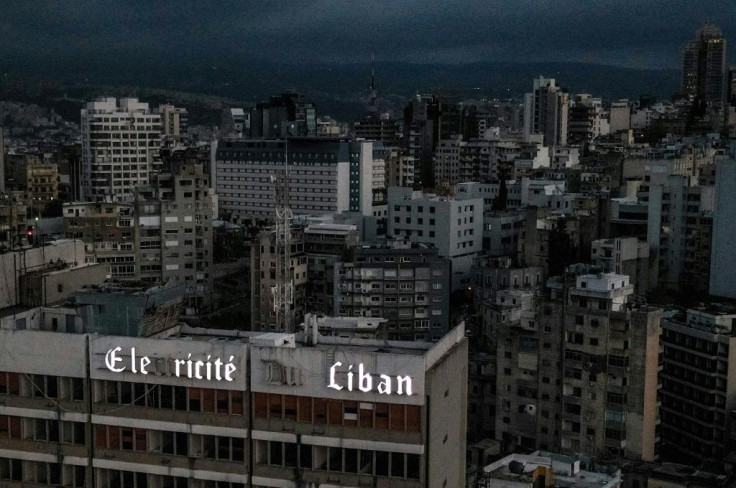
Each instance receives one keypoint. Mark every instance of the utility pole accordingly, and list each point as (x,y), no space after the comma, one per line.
(283,290)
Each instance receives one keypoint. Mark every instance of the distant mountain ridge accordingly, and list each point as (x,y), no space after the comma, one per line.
(338,89)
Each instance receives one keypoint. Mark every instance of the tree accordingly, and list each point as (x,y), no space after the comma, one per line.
(501,200)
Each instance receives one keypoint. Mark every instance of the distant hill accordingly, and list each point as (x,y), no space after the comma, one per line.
(337,89)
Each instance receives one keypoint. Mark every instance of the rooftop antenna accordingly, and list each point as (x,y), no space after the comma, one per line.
(283,290)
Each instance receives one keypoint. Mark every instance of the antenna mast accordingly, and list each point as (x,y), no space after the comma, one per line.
(283,289)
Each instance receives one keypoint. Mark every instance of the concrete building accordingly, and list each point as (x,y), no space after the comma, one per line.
(106,231)
(174,121)
(325,176)
(546,469)
(173,232)
(723,260)
(400,168)
(586,120)
(619,117)
(235,123)
(265,275)
(379,128)
(704,67)
(610,367)
(288,114)
(698,387)
(546,112)
(628,256)
(121,140)
(325,245)
(453,226)
(577,371)
(407,284)
(38,268)
(252,410)
(42,186)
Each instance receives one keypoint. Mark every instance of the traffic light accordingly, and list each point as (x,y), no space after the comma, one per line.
(29,233)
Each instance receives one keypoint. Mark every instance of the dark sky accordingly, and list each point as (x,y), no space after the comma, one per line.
(641,33)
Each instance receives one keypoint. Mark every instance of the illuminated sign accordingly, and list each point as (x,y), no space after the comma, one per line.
(364,381)
(201,370)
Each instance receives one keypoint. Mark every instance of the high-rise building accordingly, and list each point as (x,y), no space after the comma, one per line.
(578,370)
(266,277)
(697,385)
(121,140)
(546,112)
(409,285)
(723,259)
(325,245)
(325,176)
(704,67)
(173,234)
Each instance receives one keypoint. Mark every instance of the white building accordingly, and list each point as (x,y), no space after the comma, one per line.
(325,176)
(453,226)
(619,116)
(121,140)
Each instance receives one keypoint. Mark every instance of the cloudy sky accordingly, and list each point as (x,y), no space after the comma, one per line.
(641,34)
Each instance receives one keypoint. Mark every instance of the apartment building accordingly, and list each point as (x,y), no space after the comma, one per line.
(453,226)
(578,370)
(222,409)
(42,184)
(407,284)
(697,385)
(121,140)
(266,275)
(174,121)
(173,231)
(326,244)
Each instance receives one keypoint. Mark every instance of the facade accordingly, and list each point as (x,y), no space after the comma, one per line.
(704,67)
(288,114)
(698,385)
(266,274)
(106,230)
(723,260)
(399,167)
(174,121)
(546,112)
(585,119)
(577,371)
(379,128)
(325,245)
(231,410)
(121,140)
(43,184)
(173,232)
(619,117)
(624,255)
(321,179)
(453,226)
(407,284)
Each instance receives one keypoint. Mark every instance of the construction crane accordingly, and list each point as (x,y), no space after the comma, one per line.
(283,290)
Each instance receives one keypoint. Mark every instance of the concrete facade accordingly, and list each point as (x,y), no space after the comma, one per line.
(121,140)
(453,226)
